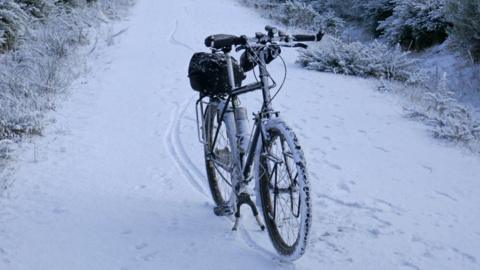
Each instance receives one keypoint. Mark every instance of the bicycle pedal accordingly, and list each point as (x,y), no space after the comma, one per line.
(223,210)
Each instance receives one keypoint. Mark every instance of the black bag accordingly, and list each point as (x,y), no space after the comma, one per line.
(208,73)
(247,61)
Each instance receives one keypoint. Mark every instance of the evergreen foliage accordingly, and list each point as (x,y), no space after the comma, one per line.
(415,24)
(13,23)
(465,18)
(303,14)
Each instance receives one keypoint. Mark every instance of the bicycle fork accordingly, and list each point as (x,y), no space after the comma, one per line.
(242,141)
(241,194)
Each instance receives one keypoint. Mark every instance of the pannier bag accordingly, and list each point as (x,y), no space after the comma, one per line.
(208,73)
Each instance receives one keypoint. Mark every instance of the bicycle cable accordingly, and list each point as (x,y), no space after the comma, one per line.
(283,81)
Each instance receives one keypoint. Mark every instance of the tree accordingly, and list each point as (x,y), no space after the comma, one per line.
(13,22)
(415,24)
(465,17)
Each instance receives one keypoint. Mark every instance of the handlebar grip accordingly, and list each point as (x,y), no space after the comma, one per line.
(269,28)
(304,38)
(301,38)
(224,41)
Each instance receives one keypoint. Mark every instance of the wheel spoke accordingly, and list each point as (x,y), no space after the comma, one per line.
(218,156)
(283,187)
(228,168)
(221,175)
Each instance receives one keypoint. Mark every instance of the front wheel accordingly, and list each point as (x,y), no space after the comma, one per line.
(284,189)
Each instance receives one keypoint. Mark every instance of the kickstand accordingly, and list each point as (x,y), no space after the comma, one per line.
(244,198)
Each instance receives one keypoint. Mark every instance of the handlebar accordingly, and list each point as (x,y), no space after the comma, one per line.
(301,38)
(225,42)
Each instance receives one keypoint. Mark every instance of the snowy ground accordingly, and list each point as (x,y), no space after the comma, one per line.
(117,182)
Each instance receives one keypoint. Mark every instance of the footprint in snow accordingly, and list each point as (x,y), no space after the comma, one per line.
(388,205)
(59,211)
(343,186)
(174,224)
(139,187)
(374,233)
(150,256)
(126,232)
(333,165)
(141,246)
(409,265)
(338,117)
(446,195)
(465,255)
(382,149)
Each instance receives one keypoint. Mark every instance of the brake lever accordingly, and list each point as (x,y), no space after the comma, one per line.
(300,45)
(241,47)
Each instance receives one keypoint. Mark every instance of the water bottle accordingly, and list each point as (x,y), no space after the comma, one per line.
(241,123)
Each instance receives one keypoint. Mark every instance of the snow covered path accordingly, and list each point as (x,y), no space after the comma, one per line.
(117,182)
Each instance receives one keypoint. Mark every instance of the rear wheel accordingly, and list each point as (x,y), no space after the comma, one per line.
(218,156)
(284,190)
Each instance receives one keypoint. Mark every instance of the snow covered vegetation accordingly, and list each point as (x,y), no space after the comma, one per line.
(373,59)
(464,16)
(40,56)
(392,40)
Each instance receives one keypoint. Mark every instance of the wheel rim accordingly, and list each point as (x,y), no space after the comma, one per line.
(283,191)
(221,160)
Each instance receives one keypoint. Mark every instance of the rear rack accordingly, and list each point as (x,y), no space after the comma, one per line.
(200,113)
(200,105)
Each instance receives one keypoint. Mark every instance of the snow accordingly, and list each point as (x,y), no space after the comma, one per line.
(117,181)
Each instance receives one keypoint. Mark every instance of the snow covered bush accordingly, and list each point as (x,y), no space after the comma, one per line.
(415,24)
(42,56)
(296,14)
(13,23)
(448,119)
(372,12)
(301,14)
(465,17)
(366,60)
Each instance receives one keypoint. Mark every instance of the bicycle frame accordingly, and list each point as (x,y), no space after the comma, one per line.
(226,106)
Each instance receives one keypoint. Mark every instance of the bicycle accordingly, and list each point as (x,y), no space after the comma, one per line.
(271,155)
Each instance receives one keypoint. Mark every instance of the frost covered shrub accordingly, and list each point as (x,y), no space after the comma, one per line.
(13,23)
(366,60)
(465,17)
(296,14)
(37,8)
(300,14)
(448,119)
(45,60)
(415,24)
(373,12)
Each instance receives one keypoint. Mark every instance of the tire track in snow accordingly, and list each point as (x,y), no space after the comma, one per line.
(174,41)
(193,173)
(183,163)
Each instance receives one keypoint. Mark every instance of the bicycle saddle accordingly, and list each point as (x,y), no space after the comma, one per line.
(221,41)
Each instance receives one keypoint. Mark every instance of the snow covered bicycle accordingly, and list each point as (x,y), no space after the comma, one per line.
(270,156)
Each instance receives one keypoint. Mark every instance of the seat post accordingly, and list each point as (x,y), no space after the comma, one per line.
(231,75)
